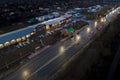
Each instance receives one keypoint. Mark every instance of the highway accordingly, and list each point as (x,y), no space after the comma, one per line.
(41,66)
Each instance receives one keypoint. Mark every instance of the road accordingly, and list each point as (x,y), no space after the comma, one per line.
(41,66)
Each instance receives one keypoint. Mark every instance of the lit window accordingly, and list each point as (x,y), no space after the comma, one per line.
(1,46)
(28,36)
(23,38)
(13,41)
(18,40)
(7,43)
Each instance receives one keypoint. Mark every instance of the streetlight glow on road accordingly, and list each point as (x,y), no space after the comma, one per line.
(25,74)
(78,37)
(88,30)
(102,19)
(62,49)
(95,23)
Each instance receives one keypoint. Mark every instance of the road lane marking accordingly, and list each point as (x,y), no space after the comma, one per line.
(45,65)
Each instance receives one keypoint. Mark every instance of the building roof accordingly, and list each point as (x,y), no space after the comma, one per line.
(15,34)
(55,20)
(52,21)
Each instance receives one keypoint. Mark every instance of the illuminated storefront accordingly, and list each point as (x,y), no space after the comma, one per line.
(13,41)
(28,35)
(1,46)
(23,38)
(7,44)
(47,28)
(18,40)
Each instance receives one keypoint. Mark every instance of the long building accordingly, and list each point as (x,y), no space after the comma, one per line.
(24,34)
(55,23)
(15,36)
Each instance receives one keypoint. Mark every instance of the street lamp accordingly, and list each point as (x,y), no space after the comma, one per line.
(25,74)
(102,19)
(78,37)
(95,23)
(62,49)
(88,30)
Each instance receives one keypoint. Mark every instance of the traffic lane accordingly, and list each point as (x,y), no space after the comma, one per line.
(43,74)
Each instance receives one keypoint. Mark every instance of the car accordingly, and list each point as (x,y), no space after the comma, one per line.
(27,42)
(42,36)
(52,31)
(49,33)
(17,46)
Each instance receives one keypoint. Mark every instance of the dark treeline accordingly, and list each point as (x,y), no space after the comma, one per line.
(13,11)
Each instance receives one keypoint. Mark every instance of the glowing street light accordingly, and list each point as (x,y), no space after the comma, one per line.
(102,19)
(78,37)
(95,23)
(25,74)
(88,30)
(62,49)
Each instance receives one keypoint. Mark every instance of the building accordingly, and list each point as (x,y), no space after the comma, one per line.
(56,22)
(23,34)
(15,37)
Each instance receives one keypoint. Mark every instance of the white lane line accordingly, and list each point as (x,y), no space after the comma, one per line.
(45,64)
